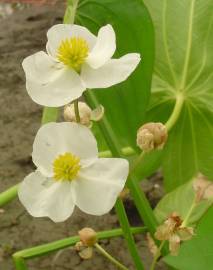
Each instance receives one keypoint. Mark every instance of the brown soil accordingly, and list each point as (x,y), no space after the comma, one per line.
(22,34)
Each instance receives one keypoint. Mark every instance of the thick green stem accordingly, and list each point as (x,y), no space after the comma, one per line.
(110,258)
(77,114)
(142,204)
(176,111)
(20,256)
(123,219)
(139,197)
(20,263)
(137,193)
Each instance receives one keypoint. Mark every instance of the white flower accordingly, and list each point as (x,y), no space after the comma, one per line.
(70,173)
(75,60)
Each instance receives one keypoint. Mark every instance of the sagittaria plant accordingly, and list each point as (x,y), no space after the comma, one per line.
(153,115)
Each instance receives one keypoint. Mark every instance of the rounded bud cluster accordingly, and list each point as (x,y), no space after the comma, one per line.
(84,111)
(88,237)
(152,136)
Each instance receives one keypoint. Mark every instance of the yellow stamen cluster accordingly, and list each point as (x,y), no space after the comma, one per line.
(66,167)
(73,52)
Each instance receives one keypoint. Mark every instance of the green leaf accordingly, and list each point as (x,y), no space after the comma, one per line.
(184,36)
(182,201)
(196,254)
(125,104)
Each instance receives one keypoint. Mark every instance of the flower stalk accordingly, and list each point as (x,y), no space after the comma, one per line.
(169,125)
(157,256)
(77,114)
(20,257)
(176,111)
(110,258)
(8,195)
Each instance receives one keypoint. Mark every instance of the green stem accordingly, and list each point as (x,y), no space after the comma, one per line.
(126,151)
(142,204)
(110,258)
(123,219)
(137,161)
(20,263)
(186,219)
(49,115)
(137,193)
(176,111)
(157,256)
(8,195)
(20,256)
(169,125)
(77,114)
(70,12)
(139,197)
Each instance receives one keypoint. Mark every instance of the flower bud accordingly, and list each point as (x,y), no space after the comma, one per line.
(84,111)
(88,237)
(203,188)
(84,252)
(152,136)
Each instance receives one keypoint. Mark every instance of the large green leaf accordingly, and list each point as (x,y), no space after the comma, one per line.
(184,38)
(196,254)
(126,103)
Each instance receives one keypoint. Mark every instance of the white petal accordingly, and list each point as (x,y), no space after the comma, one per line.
(50,84)
(113,72)
(60,32)
(44,197)
(104,47)
(99,185)
(54,139)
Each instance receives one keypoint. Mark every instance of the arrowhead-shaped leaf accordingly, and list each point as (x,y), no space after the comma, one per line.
(184,38)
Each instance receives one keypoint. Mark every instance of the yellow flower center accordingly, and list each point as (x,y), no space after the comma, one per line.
(73,52)
(66,167)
